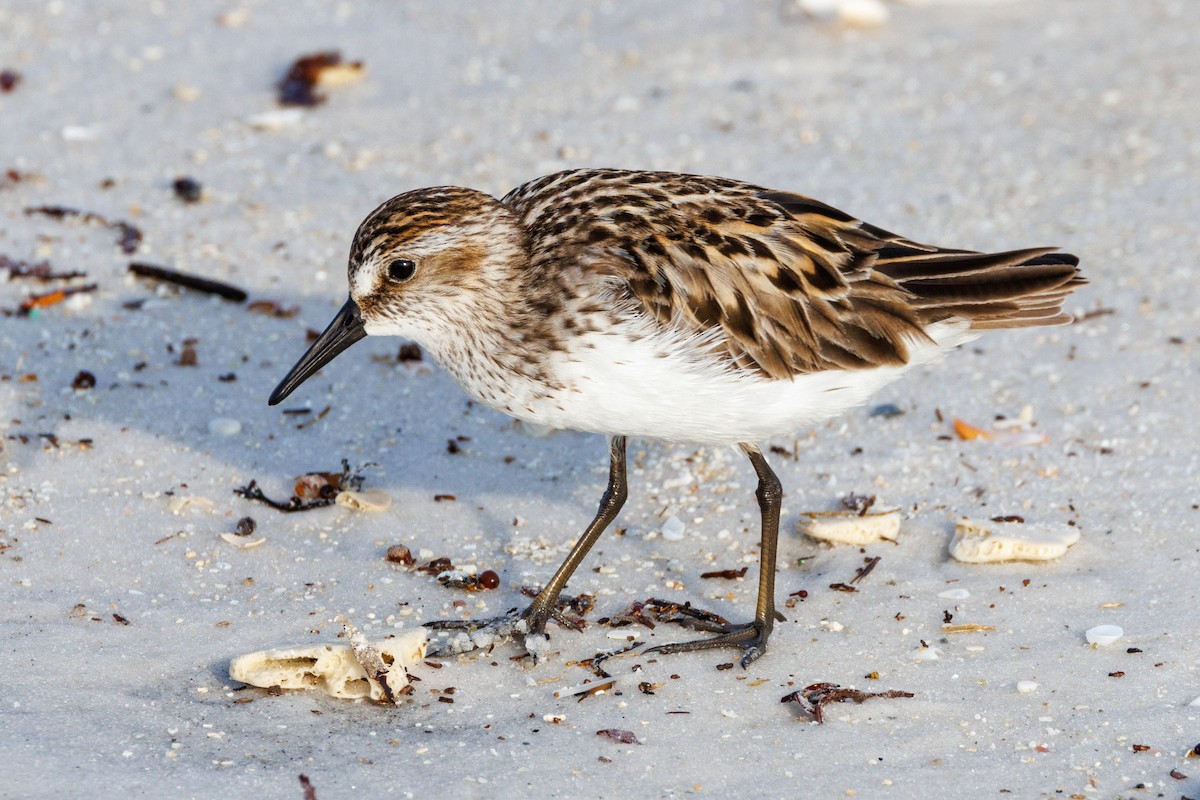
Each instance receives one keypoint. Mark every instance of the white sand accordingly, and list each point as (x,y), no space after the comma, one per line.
(984,125)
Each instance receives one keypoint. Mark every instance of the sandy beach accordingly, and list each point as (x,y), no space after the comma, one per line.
(131,409)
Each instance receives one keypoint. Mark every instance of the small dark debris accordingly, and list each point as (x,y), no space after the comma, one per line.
(727,574)
(947,617)
(646,687)
(9,78)
(84,380)
(189,190)
(886,410)
(188,281)
(400,554)
(40,271)
(652,612)
(119,619)
(245,526)
(858,503)
(452,447)
(1140,748)
(865,569)
(1117,674)
(619,736)
(299,86)
(815,697)
(842,587)
(1134,650)
(444,498)
(1177,775)
(310,792)
(410,353)
(272,309)
(187,354)
(228,377)
(1009,518)
(129,237)
(726,666)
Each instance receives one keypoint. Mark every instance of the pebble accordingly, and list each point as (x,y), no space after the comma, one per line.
(1104,635)
(673,529)
(1024,687)
(224,426)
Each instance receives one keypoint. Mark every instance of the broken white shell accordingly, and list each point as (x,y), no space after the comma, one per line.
(849,527)
(978,542)
(1104,635)
(370,500)
(331,668)
(1024,687)
(181,503)
(242,542)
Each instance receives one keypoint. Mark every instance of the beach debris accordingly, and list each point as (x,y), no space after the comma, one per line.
(370,500)
(813,698)
(977,542)
(1005,431)
(181,503)
(9,80)
(275,119)
(619,736)
(886,410)
(850,527)
(653,612)
(128,236)
(271,308)
(311,490)
(725,574)
(326,69)
(452,577)
(400,554)
(52,298)
(336,669)
(40,271)
(241,542)
(188,281)
(224,426)
(1025,687)
(967,627)
(954,594)
(1103,635)
(83,381)
(187,189)
(310,791)
(673,529)
(245,526)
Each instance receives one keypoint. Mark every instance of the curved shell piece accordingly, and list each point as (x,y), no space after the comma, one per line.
(330,668)
(849,527)
(977,542)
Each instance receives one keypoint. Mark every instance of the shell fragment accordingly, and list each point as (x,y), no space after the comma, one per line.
(1104,635)
(977,542)
(331,668)
(848,527)
(370,500)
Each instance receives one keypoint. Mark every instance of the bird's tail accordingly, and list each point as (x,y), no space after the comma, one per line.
(1016,289)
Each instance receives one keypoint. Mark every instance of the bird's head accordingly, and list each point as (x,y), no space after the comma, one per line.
(421,262)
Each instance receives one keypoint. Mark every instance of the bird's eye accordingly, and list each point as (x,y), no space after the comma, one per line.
(401,269)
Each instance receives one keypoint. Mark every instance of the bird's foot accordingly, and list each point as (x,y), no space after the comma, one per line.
(528,625)
(750,638)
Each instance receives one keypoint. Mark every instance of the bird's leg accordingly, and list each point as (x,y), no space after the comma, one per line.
(531,622)
(751,637)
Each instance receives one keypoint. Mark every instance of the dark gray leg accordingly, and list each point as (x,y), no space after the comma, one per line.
(532,621)
(751,637)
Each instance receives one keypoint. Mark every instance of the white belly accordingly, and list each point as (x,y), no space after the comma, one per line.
(667,389)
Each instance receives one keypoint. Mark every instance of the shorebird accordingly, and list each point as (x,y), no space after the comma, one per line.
(679,307)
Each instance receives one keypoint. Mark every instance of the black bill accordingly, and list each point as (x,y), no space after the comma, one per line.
(345,330)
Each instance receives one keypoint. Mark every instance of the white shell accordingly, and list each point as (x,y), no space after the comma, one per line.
(242,542)
(849,527)
(370,500)
(954,594)
(1104,635)
(224,426)
(331,668)
(1024,687)
(673,529)
(977,542)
